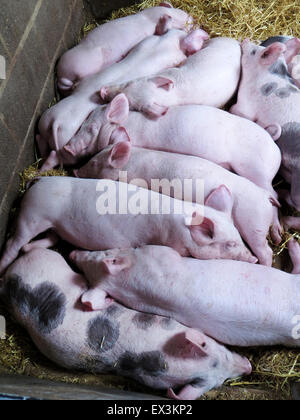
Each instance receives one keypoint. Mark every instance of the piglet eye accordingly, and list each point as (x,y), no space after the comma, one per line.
(253,52)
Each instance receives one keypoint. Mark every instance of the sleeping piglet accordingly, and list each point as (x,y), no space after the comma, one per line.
(268,95)
(294,63)
(210,133)
(197,81)
(238,196)
(98,215)
(234,302)
(43,295)
(62,121)
(109,43)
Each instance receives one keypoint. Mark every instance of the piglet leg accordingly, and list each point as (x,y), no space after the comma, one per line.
(42,146)
(276,228)
(188,393)
(51,162)
(292,223)
(24,234)
(48,242)
(295,189)
(294,251)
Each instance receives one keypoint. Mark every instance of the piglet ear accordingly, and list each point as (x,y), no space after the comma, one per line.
(199,340)
(292,49)
(119,135)
(115,266)
(164,25)
(120,155)
(118,110)
(202,232)
(271,54)
(194,42)
(275,131)
(163,83)
(96,300)
(166,4)
(187,393)
(220,199)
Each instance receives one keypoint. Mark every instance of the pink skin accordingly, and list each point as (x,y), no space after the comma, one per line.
(186,354)
(111,42)
(276,109)
(206,132)
(270,112)
(240,197)
(253,306)
(72,208)
(61,122)
(197,81)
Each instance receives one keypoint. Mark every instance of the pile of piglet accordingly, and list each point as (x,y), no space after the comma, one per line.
(156,297)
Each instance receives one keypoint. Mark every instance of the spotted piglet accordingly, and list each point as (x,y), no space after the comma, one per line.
(268,95)
(43,295)
(294,63)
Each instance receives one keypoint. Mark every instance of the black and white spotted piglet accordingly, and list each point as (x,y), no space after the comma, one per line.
(269,96)
(293,48)
(43,294)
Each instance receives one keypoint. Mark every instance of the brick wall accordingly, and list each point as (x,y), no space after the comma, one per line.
(33,34)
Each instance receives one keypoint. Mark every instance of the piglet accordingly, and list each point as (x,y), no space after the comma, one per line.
(61,122)
(292,45)
(269,96)
(99,215)
(250,206)
(198,80)
(206,132)
(234,302)
(155,351)
(109,43)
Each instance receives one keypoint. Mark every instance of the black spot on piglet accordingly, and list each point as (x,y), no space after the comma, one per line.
(48,307)
(114,311)
(198,382)
(102,334)
(148,363)
(289,144)
(273,39)
(167,324)
(144,321)
(280,69)
(268,88)
(45,304)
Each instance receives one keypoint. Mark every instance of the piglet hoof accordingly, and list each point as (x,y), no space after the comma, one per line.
(156,111)
(65,85)
(171,394)
(276,232)
(253,260)
(69,150)
(104,93)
